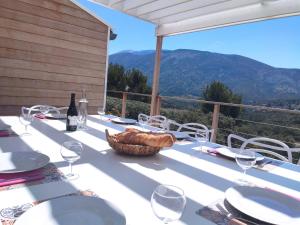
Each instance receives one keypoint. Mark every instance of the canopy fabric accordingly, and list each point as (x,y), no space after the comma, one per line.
(181,16)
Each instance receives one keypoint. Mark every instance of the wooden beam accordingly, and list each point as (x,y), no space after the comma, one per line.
(155,82)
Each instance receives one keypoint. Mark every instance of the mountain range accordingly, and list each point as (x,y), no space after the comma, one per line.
(186,72)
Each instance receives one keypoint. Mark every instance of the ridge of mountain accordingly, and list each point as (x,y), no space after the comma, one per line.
(187,72)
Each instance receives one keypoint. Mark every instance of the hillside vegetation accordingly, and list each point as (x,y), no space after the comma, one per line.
(186,72)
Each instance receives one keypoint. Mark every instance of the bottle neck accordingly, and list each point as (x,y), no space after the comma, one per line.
(72,102)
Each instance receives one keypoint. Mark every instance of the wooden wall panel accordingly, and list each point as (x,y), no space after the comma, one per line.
(51,14)
(49,49)
(49,32)
(10,53)
(44,22)
(61,8)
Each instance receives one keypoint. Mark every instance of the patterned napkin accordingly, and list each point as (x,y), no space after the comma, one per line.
(8,216)
(47,174)
(19,178)
(8,133)
(40,116)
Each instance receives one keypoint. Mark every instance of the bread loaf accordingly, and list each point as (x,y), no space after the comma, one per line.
(136,137)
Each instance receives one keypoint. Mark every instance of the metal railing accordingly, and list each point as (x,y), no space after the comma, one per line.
(216,116)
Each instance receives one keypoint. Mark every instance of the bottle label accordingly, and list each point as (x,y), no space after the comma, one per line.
(72,120)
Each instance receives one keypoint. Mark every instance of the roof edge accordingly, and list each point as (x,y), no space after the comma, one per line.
(91,13)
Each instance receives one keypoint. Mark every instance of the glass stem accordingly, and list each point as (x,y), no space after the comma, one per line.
(244,175)
(26,128)
(71,169)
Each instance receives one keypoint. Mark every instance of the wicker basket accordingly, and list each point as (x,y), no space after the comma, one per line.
(138,150)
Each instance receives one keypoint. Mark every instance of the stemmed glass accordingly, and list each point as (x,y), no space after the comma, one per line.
(245,159)
(200,139)
(71,152)
(168,203)
(101,112)
(81,120)
(142,121)
(26,119)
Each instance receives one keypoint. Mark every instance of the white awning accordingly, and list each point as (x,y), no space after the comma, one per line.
(181,16)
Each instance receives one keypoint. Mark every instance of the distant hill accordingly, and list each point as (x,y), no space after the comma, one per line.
(186,72)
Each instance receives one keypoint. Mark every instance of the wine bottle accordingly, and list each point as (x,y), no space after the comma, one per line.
(72,115)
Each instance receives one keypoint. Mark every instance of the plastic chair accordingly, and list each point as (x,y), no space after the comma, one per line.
(158,121)
(44,109)
(193,128)
(141,115)
(234,136)
(268,145)
(172,125)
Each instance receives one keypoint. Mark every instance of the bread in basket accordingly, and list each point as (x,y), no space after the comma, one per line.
(135,142)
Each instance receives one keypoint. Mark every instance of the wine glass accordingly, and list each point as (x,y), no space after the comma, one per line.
(26,119)
(71,152)
(200,139)
(168,203)
(142,121)
(81,121)
(245,159)
(101,112)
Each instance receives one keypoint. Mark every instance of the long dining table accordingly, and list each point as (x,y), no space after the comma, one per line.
(129,181)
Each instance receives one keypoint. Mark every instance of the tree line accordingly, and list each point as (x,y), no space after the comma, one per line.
(133,80)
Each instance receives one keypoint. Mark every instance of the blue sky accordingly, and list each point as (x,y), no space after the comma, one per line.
(275,42)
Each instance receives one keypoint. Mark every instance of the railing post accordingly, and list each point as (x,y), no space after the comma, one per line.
(215,121)
(124,99)
(158,104)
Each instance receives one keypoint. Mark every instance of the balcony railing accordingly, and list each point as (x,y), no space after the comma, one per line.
(215,119)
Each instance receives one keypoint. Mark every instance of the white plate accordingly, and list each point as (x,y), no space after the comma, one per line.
(265,205)
(73,210)
(15,162)
(124,121)
(231,152)
(179,135)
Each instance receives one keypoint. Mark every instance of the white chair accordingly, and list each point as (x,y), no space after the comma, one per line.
(196,128)
(158,121)
(264,145)
(143,117)
(236,137)
(44,109)
(172,125)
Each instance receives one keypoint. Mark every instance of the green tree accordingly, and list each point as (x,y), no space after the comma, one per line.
(132,80)
(116,80)
(137,82)
(218,92)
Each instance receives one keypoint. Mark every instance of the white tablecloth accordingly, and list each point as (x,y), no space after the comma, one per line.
(129,181)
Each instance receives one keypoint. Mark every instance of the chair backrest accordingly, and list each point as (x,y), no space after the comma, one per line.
(36,109)
(143,116)
(46,109)
(270,146)
(172,125)
(231,137)
(193,128)
(158,121)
